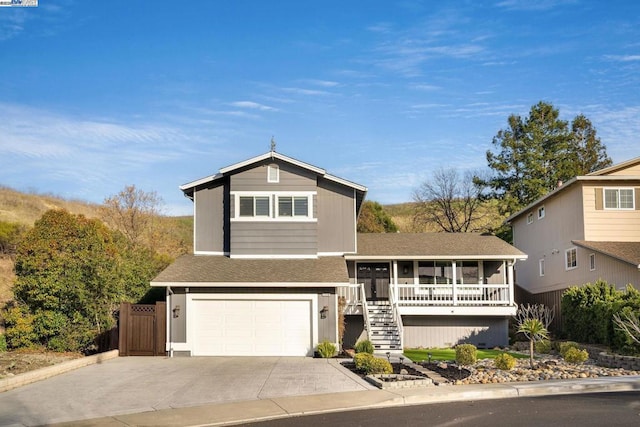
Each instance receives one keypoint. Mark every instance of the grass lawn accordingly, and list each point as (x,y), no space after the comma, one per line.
(418,355)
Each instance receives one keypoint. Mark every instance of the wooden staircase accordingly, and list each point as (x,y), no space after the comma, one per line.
(384,333)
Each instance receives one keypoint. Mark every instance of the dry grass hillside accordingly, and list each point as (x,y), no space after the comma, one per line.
(172,235)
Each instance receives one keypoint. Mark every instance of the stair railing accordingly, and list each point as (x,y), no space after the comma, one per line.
(365,310)
(396,315)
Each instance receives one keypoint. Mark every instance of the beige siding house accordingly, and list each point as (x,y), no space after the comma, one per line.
(586,229)
(276,256)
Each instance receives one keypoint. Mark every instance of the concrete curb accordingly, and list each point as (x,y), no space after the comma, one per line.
(57,369)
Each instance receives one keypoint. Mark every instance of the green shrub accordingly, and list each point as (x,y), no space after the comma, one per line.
(574,355)
(363,361)
(466,354)
(19,328)
(3,343)
(543,347)
(505,361)
(326,349)
(380,366)
(566,346)
(364,346)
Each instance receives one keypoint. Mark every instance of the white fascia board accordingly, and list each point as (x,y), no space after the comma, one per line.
(458,310)
(200,181)
(346,182)
(434,257)
(272,155)
(249,284)
(616,167)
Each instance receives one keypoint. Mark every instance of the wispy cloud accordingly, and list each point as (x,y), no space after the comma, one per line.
(252,105)
(321,83)
(622,58)
(306,92)
(533,5)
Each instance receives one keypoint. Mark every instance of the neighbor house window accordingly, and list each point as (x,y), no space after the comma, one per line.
(541,267)
(541,212)
(273,173)
(253,206)
(592,262)
(619,198)
(530,218)
(571,258)
(293,206)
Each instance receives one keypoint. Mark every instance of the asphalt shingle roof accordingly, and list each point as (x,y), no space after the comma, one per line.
(222,269)
(434,244)
(624,251)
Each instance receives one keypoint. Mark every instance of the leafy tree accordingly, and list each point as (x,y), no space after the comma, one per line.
(10,235)
(374,219)
(536,153)
(132,211)
(72,273)
(451,202)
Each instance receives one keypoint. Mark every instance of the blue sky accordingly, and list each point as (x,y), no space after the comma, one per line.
(96,95)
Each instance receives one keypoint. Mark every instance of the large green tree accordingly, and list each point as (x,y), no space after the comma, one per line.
(374,219)
(72,273)
(533,155)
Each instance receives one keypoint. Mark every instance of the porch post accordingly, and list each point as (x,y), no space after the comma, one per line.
(454,286)
(395,280)
(510,280)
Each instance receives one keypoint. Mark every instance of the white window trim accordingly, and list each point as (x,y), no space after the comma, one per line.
(541,212)
(566,258)
(273,209)
(541,267)
(592,262)
(269,169)
(618,208)
(530,218)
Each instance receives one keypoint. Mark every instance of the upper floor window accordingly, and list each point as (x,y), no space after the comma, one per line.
(273,206)
(530,218)
(619,198)
(273,173)
(592,262)
(541,267)
(571,258)
(541,212)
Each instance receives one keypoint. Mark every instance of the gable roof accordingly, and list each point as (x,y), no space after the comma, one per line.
(208,270)
(628,252)
(616,167)
(433,246)
(271,155)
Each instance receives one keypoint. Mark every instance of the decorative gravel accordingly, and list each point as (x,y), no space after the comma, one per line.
(546,368)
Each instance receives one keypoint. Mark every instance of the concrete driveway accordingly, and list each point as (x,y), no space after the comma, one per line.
(137,384)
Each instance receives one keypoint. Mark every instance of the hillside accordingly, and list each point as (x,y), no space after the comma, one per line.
(172,236)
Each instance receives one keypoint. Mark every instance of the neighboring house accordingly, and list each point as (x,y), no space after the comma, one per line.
(277,256)
(586,229)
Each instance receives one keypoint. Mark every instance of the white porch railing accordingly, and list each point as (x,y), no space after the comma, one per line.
(396,315)
(365,312)
(447,295)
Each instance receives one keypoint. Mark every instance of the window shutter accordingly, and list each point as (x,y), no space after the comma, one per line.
(599,203)
(637,194)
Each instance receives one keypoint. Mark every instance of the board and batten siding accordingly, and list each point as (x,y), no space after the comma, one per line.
(209,219)
(336,218)
(602,225)
(448,331)
(274,238)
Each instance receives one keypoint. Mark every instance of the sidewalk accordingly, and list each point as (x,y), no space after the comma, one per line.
(273,408)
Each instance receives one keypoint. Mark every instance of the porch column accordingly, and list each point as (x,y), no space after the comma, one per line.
(454,287)
(510,280)
(395,280)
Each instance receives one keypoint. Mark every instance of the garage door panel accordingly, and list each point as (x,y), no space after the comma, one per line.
(251,327)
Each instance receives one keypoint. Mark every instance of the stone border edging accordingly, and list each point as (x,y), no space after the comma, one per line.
(631,363)
(57,369)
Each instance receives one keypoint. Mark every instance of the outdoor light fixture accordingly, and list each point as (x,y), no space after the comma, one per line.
(402,360)
(176,311)
(323,312)
(389,356)
(429,356)
(405,269)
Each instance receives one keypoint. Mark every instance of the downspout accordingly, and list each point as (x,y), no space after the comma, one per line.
(169,320)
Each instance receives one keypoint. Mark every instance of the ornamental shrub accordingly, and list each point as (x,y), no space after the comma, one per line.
(566,346)
(466,354)
(575,355)
(380,366)
(504,361)
(543,347)
(364,346)
(326,349)
(363,361)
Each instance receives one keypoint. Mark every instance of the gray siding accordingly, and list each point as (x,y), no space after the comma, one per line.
(292,178)
(178,325)
(448,331)
(274,238)
(336,218)
(327,326)
(209,219)
(493,274)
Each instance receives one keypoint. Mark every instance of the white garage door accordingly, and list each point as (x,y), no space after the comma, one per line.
(251,327)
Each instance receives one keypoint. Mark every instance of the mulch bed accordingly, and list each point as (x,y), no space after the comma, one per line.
(397,367)
(448,371)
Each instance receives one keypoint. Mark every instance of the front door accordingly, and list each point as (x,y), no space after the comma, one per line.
(375,277)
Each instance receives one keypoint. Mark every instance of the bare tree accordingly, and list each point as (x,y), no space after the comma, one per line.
(629,323)
(451,202)
(132,211)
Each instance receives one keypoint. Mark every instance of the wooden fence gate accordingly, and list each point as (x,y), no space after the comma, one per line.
(142,329)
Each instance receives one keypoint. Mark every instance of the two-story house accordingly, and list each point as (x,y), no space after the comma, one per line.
(277,258)
(586,229)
